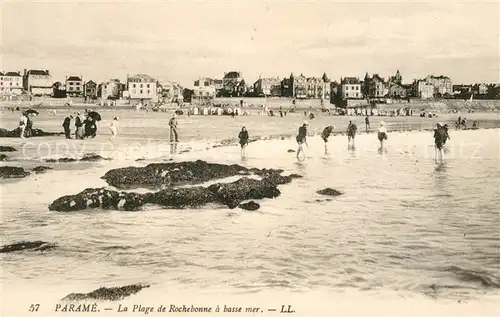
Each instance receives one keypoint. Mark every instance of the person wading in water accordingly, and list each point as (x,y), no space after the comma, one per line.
(113,127)
(351,133)
(367,124)
(66,125)
(326,134)
(440,136)
(382,134)
(173,129)
(301,139)
(243,136)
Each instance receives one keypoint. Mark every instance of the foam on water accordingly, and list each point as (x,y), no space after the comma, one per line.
(406,228)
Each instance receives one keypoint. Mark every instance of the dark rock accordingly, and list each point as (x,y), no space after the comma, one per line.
(89,198)
(4,148)
(62,160)
(251,205)
(105,293)
(182,197)
(170,174)
(27,245)
(12,172)
(93,158)
(291,151)
(41,169)
(329,192)
(3,157)
(232,194)
(16,133)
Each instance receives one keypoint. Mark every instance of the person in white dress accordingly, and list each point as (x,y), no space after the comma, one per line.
(113,127)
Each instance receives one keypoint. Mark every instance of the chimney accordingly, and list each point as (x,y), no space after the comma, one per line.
(25,72)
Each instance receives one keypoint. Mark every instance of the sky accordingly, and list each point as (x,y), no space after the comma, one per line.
(187,39)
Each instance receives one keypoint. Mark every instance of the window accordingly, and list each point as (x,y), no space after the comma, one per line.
(133,86)
(357,94)
(133,91)
(141,87)
(140,91)
(148,85)
(346,87)
(149,91)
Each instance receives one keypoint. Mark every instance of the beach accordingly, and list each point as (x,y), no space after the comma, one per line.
(406,231)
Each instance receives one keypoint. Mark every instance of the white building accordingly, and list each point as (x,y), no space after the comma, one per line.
(351,88)
(201,93)
(11,83)
(74,86)
(142,86)
(38,82)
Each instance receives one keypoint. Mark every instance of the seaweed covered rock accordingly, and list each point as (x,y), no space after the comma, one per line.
(3,157)
(182,197)
(329,192)
(92,157)
(41,169)
(61,160)
(170,174)
(251,205)
(27,245)
(106,293)
(12,172)
(4,148)
(97,198)
(232,194)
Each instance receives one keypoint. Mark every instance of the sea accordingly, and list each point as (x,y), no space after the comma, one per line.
(409,236)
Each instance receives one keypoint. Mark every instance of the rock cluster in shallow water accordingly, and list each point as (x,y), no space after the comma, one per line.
(27,245)
(16,133)
(12,172)
(106,293)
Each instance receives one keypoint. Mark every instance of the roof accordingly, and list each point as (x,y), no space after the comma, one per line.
(232,74)
(1,74)
(74,78)
(376,76)
(38,72)
(142,78)
(440,77)
(90,82)
(12,74)
(350,80)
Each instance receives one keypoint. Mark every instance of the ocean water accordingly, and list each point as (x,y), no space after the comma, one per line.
(407,232)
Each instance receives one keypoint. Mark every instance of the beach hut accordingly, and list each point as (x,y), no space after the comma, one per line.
(205,111)
(195,111)
(219,111)
(237,111)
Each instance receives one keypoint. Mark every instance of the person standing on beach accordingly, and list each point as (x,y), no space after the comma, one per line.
(113,127)
(326,134)
(66,125)
(302,139)
(243,136)
(22,124)
(382,134)
(79,126)
(351,133)
(173,129)
(367,124)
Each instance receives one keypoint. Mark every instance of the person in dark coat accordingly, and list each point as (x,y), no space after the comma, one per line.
(66,125)
(243,137)
(326,134)
(79,133)
(440,137)
(301,139)
(174,137)
(351,133)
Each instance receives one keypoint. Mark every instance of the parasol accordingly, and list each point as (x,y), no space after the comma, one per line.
(31,111)
(94,115)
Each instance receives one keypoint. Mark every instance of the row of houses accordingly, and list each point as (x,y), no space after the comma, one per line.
(136,87)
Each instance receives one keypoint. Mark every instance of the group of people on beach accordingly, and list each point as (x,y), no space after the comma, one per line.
(86,126)
(25,125)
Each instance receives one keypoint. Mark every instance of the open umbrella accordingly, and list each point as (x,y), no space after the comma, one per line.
(94,115)
(31,111)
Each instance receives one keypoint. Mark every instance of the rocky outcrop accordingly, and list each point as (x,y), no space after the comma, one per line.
(232,194)
(251,205)
(41,169)
(329,192)
(107,293)
(4,148)
(229,194)
(16,133)
(86,158)
(27,245)
(159,175)
(179,198)
(12,172)
(291,151)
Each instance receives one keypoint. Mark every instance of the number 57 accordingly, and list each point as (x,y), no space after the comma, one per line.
(34,307)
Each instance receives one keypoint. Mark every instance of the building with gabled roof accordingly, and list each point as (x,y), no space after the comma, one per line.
(74,86)
(350,88)
(11,83)
(142,87)
(37,82)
